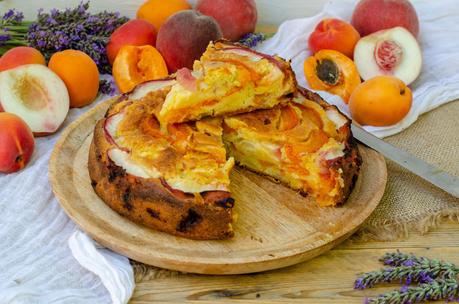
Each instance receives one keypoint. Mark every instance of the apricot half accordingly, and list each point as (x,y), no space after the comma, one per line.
(332,71)
(136,64)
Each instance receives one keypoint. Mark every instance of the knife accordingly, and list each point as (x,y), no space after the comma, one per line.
(432,174)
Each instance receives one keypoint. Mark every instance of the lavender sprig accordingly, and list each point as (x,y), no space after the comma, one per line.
(251,40)
(435,290)
(75,29)
(108,87)
(407,268)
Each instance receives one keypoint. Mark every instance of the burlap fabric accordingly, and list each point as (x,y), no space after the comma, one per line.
(409,203)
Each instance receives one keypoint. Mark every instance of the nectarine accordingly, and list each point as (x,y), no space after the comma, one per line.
(37,95)
(389,52)
(374,15)
(133,32)
(235,17)
(20,55)
(380,101)
(17,143)
(184,38)
(334,34)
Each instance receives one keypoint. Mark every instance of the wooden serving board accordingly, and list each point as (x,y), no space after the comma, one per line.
(276,227)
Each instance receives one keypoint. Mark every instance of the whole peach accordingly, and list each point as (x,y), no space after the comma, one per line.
(134,32)
(374,15)
(184,37)
(20,55)
(235,17)
(17,143)
(334,34)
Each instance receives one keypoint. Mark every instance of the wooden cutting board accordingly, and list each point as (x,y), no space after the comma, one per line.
(276,227)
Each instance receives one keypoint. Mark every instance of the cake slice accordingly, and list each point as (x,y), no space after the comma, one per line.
(307,145)
(175,181)
(228,79)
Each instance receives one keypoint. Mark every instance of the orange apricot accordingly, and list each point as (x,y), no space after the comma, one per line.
(20,55)
(80,75)
(331,71)
(136,64)
(380,101)
(334,34)
(157,11)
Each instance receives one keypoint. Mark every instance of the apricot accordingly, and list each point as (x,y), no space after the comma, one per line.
(80,75)
(374,15)
(380,101)
(20,55)
(184,37)
(334,34)
(37,95)
(157,11)
(17,143)
(137,64)
(235,17)
(133,32)
(332,71)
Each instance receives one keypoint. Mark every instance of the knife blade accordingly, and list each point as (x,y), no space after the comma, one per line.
(430,173)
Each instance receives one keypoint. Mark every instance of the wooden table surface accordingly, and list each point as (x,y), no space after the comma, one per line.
(326,279)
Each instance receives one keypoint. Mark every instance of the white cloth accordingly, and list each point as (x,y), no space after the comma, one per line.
(37,239)
(439,39)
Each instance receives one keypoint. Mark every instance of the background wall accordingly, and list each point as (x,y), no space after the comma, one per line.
(270,11)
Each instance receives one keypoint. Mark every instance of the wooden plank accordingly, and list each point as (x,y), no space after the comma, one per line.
(326,279)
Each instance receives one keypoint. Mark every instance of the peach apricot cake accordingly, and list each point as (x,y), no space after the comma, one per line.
(163,154)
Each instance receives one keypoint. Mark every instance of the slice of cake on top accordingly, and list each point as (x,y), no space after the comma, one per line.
(307,145)
(228,79)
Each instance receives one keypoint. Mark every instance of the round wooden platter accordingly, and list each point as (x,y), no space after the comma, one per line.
(276,227)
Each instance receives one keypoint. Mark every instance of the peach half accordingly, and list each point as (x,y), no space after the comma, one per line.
(393,52)
(37,95)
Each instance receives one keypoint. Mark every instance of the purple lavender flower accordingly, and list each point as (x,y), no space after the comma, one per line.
(108,87)
(251,40)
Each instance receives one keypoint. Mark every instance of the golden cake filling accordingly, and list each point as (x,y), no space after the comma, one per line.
(227,79)
(190,157)
(294,144)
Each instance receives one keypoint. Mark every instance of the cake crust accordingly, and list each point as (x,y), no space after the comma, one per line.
(151,202)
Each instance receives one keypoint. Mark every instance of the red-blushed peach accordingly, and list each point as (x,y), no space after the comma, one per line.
(374,15)
(334,34)
(17,143)
(184,37)
(134,32)
(235,17)
(20,55)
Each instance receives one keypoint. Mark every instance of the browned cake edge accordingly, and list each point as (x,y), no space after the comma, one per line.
(351,161)
(149,202)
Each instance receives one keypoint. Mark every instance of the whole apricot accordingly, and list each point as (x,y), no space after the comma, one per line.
(157,11)
(235,17)
(184,38)
(20,55)
(380,101)
(334,34)
(374,15)
(80,75)
(137,64)
(17,143)
(133,32)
